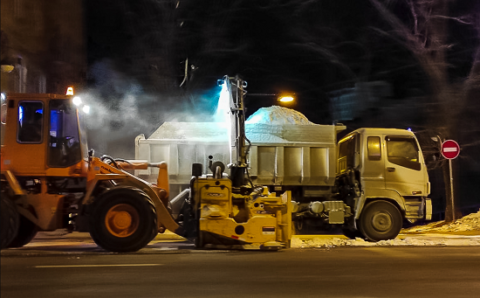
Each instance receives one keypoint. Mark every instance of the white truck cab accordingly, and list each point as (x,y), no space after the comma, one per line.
(385,165)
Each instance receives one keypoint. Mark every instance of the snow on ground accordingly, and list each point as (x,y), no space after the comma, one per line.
(416,236)
(470,222)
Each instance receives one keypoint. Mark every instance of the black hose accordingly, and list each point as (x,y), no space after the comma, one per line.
(108,157)
(246,169)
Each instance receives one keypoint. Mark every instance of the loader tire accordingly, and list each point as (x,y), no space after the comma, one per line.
(9,220)
(380,220)
(26,232)
(123,219)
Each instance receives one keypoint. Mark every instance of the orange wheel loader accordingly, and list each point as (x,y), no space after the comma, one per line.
(50,180)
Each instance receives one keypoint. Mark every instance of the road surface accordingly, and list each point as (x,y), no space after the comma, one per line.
(339,272)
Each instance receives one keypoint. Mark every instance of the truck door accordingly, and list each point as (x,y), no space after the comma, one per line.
(403,169)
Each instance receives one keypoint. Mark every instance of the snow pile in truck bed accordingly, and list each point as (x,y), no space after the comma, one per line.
(272,125)
(275,115)
(433,234)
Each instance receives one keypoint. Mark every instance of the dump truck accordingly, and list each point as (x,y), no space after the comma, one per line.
(51,180)
(368,183)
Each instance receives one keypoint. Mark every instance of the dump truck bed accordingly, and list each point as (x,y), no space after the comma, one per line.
(287,155)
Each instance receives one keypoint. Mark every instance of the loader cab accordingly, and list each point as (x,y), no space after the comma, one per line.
(43,135)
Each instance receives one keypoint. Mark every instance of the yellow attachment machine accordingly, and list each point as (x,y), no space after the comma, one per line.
(50,180)
(228,211)
(259,220)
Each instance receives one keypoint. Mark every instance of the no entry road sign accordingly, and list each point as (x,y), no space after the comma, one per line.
(450,149)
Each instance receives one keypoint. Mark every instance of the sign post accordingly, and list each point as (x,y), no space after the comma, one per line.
(451,150)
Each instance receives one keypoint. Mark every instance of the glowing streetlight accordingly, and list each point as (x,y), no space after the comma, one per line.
(86,109)
(286,98)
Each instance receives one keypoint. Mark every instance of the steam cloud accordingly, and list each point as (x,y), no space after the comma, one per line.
(121,110)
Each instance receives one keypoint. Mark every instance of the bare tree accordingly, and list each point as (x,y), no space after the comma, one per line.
(425,33)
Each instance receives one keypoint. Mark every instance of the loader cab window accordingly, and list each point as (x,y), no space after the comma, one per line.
(64,143)
(403,151)
(30,122)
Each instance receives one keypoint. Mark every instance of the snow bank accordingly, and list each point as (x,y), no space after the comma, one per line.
(418,236)
(278,115)
(469,222)
(318,242)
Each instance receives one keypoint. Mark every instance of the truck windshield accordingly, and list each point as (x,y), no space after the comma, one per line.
(64,143)
(403,151)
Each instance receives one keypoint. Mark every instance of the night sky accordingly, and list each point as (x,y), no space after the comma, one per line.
(309,48)
(306,47)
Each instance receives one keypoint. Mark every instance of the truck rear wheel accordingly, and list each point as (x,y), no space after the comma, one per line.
(9,221)
(122,220)
(380,220)
(26,232)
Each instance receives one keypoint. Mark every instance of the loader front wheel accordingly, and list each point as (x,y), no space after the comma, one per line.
(123,220)
(9,221)
(380,220)
(26,232)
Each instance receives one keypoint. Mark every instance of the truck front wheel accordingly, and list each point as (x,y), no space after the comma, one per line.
(380,220)
(123,220)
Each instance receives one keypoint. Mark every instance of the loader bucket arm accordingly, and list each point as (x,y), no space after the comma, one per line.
(100,171)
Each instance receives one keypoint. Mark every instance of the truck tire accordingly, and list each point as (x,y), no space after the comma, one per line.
(123,219)
(380,220)
(26,232)
(9,220)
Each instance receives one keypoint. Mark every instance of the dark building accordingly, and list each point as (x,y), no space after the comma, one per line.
(42,45)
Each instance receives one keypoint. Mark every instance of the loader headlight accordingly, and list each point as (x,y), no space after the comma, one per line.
(77,101)
(86,109)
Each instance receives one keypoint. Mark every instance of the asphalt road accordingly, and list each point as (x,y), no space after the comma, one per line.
(339,272)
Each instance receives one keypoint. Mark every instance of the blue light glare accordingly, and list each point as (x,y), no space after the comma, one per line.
(223,107)
(20,115)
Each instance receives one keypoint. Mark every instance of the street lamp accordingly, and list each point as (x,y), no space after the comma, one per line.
(286,98)
(281,97)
